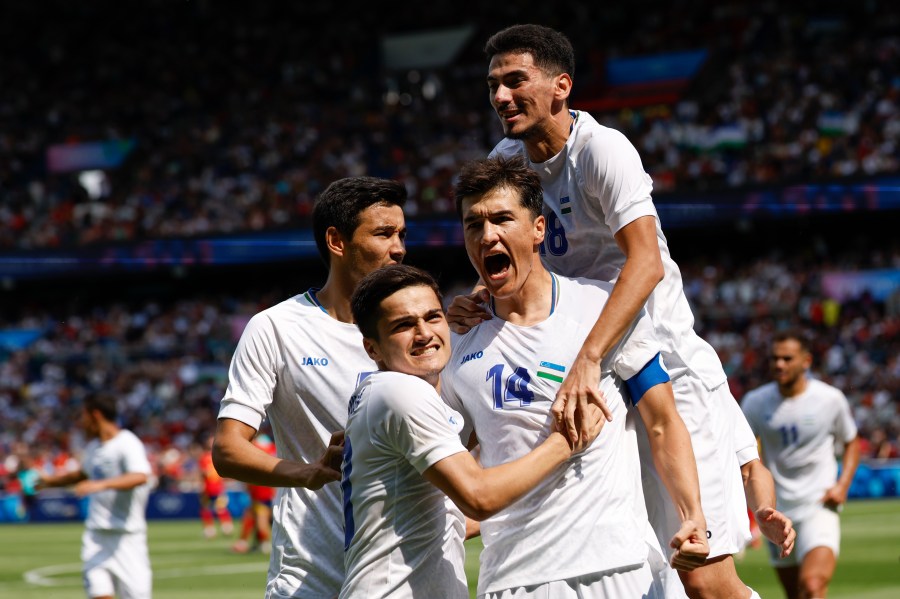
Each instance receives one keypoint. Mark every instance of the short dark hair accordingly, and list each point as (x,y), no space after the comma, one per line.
(103,402)
(380,284)
(551,50)
(795,335)
(341,203)
(478,177)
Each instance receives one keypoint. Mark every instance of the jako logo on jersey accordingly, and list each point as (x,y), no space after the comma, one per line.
(314,362)
(472,356)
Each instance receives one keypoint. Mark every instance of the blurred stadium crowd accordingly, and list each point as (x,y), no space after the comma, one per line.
(241,116)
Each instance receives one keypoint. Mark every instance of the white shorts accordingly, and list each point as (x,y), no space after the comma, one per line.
(116,564)
(822,528)
(711,428)
(635,582)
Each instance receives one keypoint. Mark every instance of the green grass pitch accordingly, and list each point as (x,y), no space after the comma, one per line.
(41,560)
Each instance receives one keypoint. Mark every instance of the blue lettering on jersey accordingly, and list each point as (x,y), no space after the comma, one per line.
(472,356)
(307,361)
(347,494)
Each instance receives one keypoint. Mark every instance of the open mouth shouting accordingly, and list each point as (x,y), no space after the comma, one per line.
(496,266)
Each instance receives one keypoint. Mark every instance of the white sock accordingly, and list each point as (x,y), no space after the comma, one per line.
(754,594)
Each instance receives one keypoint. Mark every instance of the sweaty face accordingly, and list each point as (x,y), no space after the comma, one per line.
(378,240)
(413,335)
(789,362)
(501,237)
(521,93)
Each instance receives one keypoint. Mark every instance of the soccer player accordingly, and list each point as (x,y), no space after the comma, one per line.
(213,497)
(601,223)
(800,420)
(297,363)
(594,536)
(404,464)
(114,474)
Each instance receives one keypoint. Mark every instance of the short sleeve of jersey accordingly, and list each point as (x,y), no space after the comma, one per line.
(744,440)
(252,374)
(845,426)
(613,173)
(748,407)
(134,455)
(418,424)
(451,398)
(637,348)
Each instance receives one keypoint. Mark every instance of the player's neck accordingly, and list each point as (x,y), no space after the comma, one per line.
(793,389)
(107,431)
(334,297)
(549,140)
(532,303)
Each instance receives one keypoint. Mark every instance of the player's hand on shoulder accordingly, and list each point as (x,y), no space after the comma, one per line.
(690,545)
(467,311)
(580,388)
(778,528)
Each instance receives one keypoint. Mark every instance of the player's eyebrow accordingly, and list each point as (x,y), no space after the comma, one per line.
(476,217)
(507,74)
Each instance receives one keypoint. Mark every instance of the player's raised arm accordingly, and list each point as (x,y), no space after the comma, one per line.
(236,456)
(642,270)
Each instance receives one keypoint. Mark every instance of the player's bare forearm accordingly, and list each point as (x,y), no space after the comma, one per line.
(673,455)
(482,492)
(235,456)
(837,495)
(640,274)
(123,482)
(62,480)
(759,486)
(759,489)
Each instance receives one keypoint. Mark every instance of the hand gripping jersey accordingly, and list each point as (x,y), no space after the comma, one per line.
(404,537)
(798,437)
(585,518)
(299,365)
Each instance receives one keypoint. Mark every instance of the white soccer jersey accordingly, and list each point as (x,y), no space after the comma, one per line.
(503,378)
(798,437)
(300,366)
(595,186)
(112,510)
(404,537)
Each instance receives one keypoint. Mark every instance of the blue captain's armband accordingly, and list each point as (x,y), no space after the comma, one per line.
(653,373)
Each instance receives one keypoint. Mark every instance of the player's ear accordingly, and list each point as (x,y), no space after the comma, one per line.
(334,241)
(372,349)
(563,86)
(539,229)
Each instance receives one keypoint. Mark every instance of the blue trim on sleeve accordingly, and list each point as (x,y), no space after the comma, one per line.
(653,373)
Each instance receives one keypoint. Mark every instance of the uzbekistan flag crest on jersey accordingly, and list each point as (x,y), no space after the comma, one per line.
(551,371)
(565,206)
